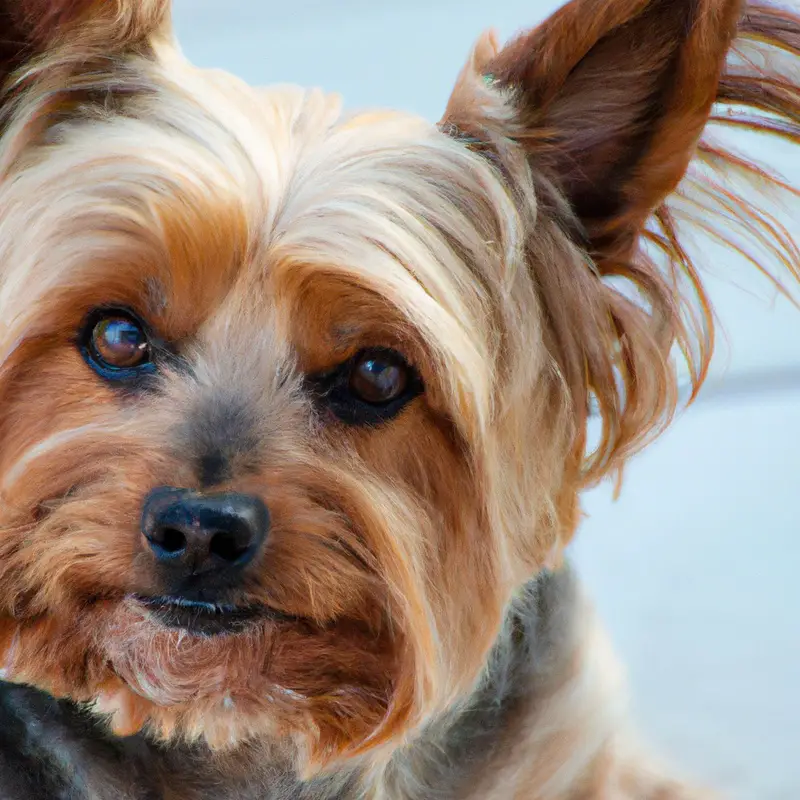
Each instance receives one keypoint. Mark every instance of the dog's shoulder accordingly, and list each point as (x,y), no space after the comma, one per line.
(528,662)
(53,750)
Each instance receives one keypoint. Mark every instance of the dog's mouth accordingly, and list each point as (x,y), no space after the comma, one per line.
(208,619)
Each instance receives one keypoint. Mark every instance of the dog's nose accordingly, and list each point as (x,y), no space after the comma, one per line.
(198,534)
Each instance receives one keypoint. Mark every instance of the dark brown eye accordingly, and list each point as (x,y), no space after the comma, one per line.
(379,377)
(369,389)
(116,345)
(120,343)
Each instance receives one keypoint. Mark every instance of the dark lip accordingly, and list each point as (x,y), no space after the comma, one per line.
(208,619)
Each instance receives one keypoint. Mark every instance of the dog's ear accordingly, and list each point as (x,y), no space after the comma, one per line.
(30,28)
(608,98)
(601,110)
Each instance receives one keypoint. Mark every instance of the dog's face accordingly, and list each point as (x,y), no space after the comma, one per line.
(292,401)
(249,371)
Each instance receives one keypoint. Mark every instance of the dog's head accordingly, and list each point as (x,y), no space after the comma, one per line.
(292,401)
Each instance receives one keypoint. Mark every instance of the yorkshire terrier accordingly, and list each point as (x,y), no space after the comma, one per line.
(294,402)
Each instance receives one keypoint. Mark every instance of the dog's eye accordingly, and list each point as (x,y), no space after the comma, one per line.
(120,342)
(116,345)
(368,389)
(378,377)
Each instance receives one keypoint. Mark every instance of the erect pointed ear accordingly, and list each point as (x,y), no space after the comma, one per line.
(30,28)
(608,98)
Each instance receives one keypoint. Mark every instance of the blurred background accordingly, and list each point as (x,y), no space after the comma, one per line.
(696,568)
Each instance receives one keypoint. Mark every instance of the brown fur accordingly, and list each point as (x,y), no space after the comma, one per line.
(267,238)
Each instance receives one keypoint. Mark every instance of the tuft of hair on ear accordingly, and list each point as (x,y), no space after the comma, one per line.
(31,28)
(607,111)
(124,22)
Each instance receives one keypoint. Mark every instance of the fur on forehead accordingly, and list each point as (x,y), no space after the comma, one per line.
(190,181)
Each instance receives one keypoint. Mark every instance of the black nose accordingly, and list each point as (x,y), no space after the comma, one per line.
(198,534)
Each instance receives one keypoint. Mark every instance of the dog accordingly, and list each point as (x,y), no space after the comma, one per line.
(294,402)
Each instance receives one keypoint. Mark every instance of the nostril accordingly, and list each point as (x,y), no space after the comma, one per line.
(226,546)
(172,540)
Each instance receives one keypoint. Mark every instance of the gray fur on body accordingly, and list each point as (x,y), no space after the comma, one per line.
(50,750)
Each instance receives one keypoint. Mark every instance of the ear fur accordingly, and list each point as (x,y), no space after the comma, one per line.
(603,110)
(30,28)
(610,98)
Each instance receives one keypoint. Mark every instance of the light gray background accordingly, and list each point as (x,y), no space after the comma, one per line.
(695,567)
